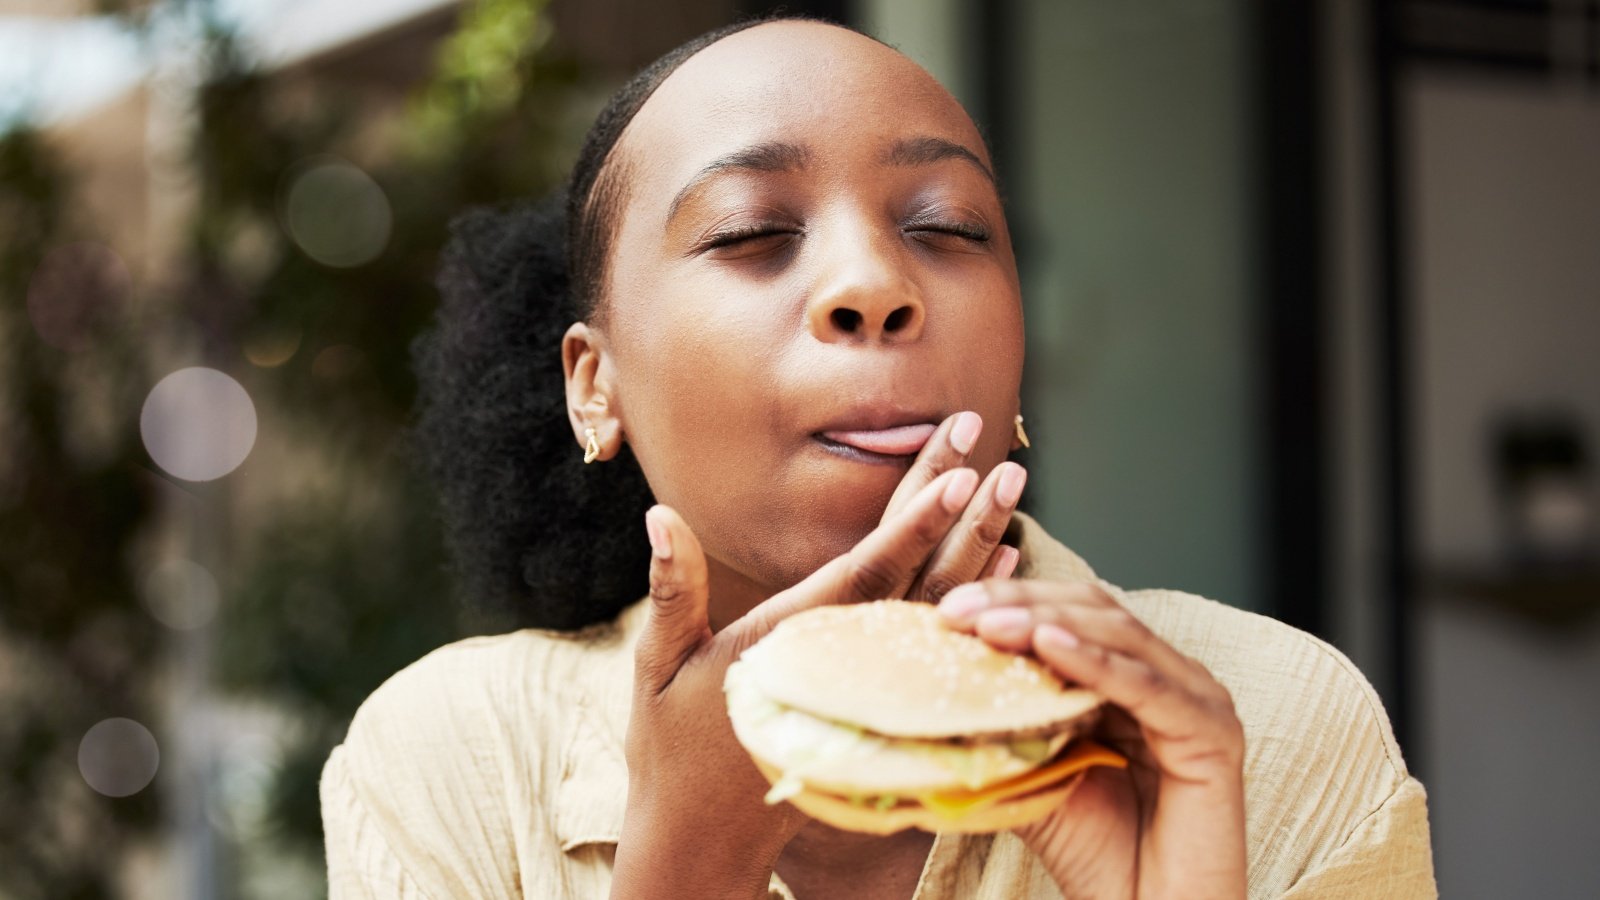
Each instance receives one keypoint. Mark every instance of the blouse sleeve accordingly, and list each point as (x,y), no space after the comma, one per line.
(361,864)
(1387,855)
(415,802)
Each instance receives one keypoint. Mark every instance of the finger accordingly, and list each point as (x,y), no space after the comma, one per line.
(947,449)
(962,605)
(677,623)
(1006,613)
(1176,708)
(885,558)
(1011,625)
(963,554)
(1003,562)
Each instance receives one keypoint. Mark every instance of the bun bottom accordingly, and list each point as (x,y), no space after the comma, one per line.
(1015,812)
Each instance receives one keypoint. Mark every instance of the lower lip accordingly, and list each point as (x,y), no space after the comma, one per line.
(898,443)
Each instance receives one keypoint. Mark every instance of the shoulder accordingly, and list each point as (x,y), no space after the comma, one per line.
(448,754)
(470,688)
(457,706)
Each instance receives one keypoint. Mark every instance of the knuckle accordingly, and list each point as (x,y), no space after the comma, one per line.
(936,584)
(1222,700)
(667,591)
(988,531)
(1094,654)
(1095,594)
(1147,682)
(930,531)
(870,578)
(1127,622)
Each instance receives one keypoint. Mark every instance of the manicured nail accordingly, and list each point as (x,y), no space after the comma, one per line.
(964,434)
(959,491)
(1009,490)
(1054,637)
(1008,623)
(660,536)
(1007,563)
(963,602)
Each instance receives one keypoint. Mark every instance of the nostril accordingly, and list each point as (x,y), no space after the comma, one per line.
(897,319)
(846,320)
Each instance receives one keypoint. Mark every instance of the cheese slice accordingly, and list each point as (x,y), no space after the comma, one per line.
(1083,755)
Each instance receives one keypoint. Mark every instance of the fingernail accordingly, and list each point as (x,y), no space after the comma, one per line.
(1007,564)
(963,602)
(964,435)
(1008,623)
(1009,490)
(959,491)
(660,536)
(1054,637)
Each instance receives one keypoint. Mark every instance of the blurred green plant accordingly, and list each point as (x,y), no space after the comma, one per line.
(74,639)
(332,574)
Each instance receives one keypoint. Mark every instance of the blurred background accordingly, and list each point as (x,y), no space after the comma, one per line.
(1314,308)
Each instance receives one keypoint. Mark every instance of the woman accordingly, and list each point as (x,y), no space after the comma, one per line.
(793,318)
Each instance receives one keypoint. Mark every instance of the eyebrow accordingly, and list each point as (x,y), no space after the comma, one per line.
(782,156)
(923,151)
(772,156)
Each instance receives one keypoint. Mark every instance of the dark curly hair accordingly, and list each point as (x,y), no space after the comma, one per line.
(535,536)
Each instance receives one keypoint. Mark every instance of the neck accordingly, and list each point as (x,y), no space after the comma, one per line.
(732,594)
(820,858)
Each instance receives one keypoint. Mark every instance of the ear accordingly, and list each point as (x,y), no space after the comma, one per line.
(591,400)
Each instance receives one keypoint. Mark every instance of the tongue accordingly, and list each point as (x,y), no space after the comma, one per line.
(902,441)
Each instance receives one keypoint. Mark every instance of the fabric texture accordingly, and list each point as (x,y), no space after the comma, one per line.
(493,767)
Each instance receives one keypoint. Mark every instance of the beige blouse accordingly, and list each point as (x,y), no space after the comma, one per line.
(493,767)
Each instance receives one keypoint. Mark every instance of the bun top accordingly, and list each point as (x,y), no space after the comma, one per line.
(892,667)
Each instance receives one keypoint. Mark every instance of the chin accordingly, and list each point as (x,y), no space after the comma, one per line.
(809,520)
(835,522)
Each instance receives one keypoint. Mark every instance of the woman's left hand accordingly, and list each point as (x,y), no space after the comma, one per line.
(1172,823)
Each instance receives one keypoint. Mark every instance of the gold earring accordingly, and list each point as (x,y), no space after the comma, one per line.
(1022,436)
(591,447)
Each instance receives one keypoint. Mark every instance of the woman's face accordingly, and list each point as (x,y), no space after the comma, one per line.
(810,247)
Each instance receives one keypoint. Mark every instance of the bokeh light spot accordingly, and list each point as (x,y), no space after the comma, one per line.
(337,214)
(72,290)
(269,347)
(198,424)
(337,362)
(118,757)
(181,594)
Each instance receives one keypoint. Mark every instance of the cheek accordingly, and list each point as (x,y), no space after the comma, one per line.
(691,387)
(985,347)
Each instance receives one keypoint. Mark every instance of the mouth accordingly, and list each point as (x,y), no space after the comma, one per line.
(894,445)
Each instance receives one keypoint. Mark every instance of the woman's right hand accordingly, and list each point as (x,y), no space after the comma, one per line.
(696,822)
(972,549)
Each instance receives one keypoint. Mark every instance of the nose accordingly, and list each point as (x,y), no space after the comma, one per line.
(865,297)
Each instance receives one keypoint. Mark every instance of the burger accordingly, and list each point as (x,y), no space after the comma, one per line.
(876,717)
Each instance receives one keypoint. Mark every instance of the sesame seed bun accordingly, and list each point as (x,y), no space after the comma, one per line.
(876,717)
(893,668)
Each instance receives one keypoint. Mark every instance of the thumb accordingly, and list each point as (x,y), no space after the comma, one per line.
(677,624)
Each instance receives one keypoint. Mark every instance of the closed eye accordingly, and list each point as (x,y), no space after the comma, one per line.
(960,229)
(753,233)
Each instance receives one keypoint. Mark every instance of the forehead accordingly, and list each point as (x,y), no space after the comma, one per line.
(828,88)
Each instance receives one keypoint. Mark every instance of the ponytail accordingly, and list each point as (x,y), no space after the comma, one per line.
(534,534)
